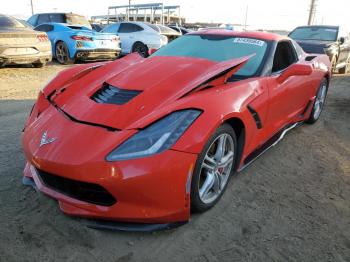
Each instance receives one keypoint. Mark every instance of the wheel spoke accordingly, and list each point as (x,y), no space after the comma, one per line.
(226,160)
(207,185)
(220,151)
(217,182)
(209,163)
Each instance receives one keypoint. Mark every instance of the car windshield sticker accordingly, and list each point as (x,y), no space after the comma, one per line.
(249,41)
(330,30)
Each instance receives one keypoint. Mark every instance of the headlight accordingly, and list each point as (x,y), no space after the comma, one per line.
(155,138)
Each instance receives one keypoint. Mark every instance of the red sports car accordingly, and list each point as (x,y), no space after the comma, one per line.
(147,140)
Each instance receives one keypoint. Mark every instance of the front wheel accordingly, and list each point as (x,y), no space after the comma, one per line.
(213,169)
(319,102)
(140,48)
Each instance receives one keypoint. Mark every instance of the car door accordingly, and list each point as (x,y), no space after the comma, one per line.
(129,33)
(289,98)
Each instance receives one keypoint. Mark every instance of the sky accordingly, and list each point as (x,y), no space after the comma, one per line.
(262,14)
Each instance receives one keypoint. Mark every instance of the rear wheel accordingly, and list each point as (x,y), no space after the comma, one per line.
(213,169)
(62,54)
(140,48)
(319,102)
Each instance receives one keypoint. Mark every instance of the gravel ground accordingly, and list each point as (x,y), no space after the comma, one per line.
(292,204)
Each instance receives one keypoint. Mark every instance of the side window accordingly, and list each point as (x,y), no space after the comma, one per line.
(44,28)
(44,18)
(113,28)
(129,28)
(285,55)
(57,18)
(33,20)
(40,28)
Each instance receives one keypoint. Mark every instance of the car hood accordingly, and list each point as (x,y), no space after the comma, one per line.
(153,83)
(314,46)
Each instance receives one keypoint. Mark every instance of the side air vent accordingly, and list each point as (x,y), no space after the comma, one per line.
(113,95)
(255,116)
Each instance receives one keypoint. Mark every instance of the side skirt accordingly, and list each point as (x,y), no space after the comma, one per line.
(133,227)
(274,140)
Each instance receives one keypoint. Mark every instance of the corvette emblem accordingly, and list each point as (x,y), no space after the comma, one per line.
(45,140)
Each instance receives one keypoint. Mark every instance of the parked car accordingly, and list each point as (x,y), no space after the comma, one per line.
(180,29)
(66,18)
(140,37)
(74,42)
(22,45)
(320,39)
(148,140)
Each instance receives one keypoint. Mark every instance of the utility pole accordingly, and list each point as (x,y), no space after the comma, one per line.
(246,18)
(128,15)
(31,4)
(312,12)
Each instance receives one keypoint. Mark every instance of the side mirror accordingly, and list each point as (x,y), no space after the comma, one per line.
(341,40)
(152,51)
(295,70)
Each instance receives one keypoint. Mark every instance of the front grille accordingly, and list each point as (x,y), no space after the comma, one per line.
(113,95)
(87,192)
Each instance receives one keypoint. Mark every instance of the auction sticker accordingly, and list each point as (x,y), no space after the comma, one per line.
(249,41)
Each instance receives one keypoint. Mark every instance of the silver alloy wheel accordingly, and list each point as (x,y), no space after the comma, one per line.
(61,53)
(320,99)
(216,168)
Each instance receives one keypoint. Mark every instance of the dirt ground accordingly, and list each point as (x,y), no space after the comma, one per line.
(292,204)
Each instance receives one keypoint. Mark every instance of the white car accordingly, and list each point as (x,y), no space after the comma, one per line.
(140,37)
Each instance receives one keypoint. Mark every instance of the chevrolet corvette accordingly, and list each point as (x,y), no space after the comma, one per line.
(148,140)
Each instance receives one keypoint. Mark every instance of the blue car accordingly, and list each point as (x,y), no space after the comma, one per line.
(71,43)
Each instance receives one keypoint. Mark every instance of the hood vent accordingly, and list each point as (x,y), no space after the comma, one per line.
(113,95)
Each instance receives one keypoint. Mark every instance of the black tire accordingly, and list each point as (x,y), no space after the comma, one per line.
(313,115)
(345,69)
(39,65)
(62,53)
(197,205)
(140,48)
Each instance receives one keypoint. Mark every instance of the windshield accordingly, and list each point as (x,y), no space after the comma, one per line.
(218,48)
(315,33)
(77,20)
(8,22)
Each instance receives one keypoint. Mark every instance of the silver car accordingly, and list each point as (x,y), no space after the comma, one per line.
(22,45)
(140,37)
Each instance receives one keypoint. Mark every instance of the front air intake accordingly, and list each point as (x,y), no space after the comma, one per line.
(84,191)
(113,95)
